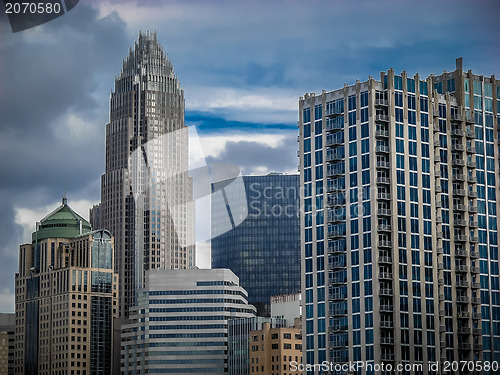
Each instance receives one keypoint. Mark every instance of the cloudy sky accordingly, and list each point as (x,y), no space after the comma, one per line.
(243,66)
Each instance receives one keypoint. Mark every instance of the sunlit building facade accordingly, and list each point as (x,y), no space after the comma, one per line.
(399,234)
(146,193)
(66,298)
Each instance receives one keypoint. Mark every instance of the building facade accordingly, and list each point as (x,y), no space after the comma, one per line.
(399,235)
(146,193)
(7,345)
(239,341)
(264,250)
(275,351)
(180,324)
(288,307)
(66,298)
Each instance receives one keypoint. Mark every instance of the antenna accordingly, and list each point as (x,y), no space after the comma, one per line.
(64,198)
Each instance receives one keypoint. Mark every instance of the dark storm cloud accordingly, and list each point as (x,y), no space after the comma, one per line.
(53,109)
(250,155)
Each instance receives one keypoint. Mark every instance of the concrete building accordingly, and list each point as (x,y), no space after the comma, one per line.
(399,234)
(66,298)
(288,307)
(146,193)
(275,351)
(239,341)
(180,323)
(7,337)
(264,249)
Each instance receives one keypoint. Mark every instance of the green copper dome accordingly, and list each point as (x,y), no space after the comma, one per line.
(63,222)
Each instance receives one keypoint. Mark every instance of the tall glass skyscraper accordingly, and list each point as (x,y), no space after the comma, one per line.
(146,192)
(399,234)
(264,250)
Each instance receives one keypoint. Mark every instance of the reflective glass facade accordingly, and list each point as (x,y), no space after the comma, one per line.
(264,250)
(400,190)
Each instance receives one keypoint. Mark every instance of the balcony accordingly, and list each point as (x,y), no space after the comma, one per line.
(336,233)
(461,253)
(386,324)
(477,331)
(387,340)
(472,179)
(440,266)
(462,268)
(334,141)
(336,249)
(463,315)
(385,260)
(458,177)
(458,162)
(384,196)
(437,143)
(459,207)
(474,239)
(457,133)
(439,250)
(469,134)
(339,312)
(383,164)
(473,224)
(386,308)
(439,219)
(471,164)
(438,188)
(442,329)
(471,149)
(338,296)
(382,149)
(381,117)
(459,192)
(476,300)
(334,172)
(334,111)
(437,173)
(462,284)
(476,285)
(457,147)
(334,156)
(456,117)
(478,347)
(338,280)
(469,119)
(387,357)
(462,299)
(474,255)
(385,276)
(472,209)
(440,282)
(338,328)
(335,125)
(464,346)
(386,292)
(460,222)
(464,330)
(437,158)
(380,102)
(382,133)
(384,227)
(472,194)
(384,243)
(383,180)
(476,316)
(474,269)
(384,212)
(460,238)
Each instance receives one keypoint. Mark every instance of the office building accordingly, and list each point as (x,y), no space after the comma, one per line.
(264,249)
(146,193)
(7,337)
(239,341)
(399,234)
(180,323)
(275,350)
(66,298)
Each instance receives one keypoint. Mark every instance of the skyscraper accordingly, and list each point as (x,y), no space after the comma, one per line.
(399,237)
(264,249)
(146,193)
(66,298)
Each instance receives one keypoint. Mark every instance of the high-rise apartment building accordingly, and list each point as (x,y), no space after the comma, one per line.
(66,298)
(399,232)
(180,323)
(146,193)
(264,249)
